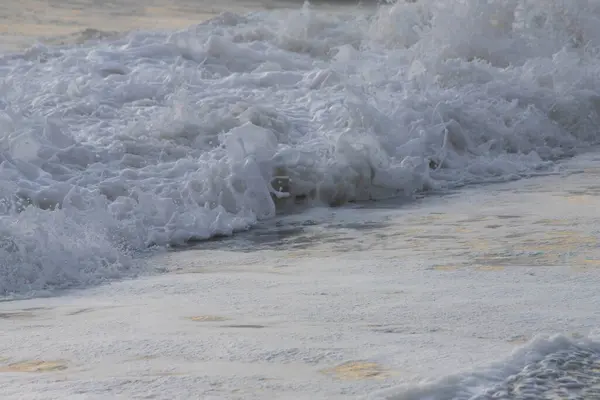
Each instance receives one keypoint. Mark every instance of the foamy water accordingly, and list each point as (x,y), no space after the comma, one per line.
(342,303)
(156,139)
(547,368)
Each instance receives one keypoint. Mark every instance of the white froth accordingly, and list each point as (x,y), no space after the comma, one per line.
(480,384)
(158,139)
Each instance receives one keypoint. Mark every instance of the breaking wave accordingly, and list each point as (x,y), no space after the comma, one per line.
(107,148)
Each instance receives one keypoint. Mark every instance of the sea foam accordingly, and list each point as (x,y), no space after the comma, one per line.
(156,139)
(545,368)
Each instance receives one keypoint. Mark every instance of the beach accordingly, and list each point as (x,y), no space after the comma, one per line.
(74,21)
(332,303)
(258,200)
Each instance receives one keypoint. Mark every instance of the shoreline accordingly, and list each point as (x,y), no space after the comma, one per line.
(67,22)
(364,301)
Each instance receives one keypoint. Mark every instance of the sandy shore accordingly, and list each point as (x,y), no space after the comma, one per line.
(335,303)
(24,22)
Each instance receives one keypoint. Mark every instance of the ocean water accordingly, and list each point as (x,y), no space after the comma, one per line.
(558,367)
(151,139)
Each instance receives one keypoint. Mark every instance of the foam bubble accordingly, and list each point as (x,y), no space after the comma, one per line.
(171,137)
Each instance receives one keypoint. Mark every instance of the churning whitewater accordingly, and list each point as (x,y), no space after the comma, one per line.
(557,367)
(155,138)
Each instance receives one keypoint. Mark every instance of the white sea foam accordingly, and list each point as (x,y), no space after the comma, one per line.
(547,367)
(157,139)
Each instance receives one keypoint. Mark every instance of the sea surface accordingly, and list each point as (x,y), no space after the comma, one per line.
(129,129)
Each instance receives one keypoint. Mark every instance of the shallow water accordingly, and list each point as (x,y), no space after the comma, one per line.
(363,302)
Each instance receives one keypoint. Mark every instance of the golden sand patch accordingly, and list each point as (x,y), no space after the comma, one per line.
(357,370)
(582,199)
(588,261)
(207,318)
(413,230)
(35,366)
(298,254)
(479,244)
(460,229)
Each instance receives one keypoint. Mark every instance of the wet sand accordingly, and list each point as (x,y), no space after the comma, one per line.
(26,21)
(22,23)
